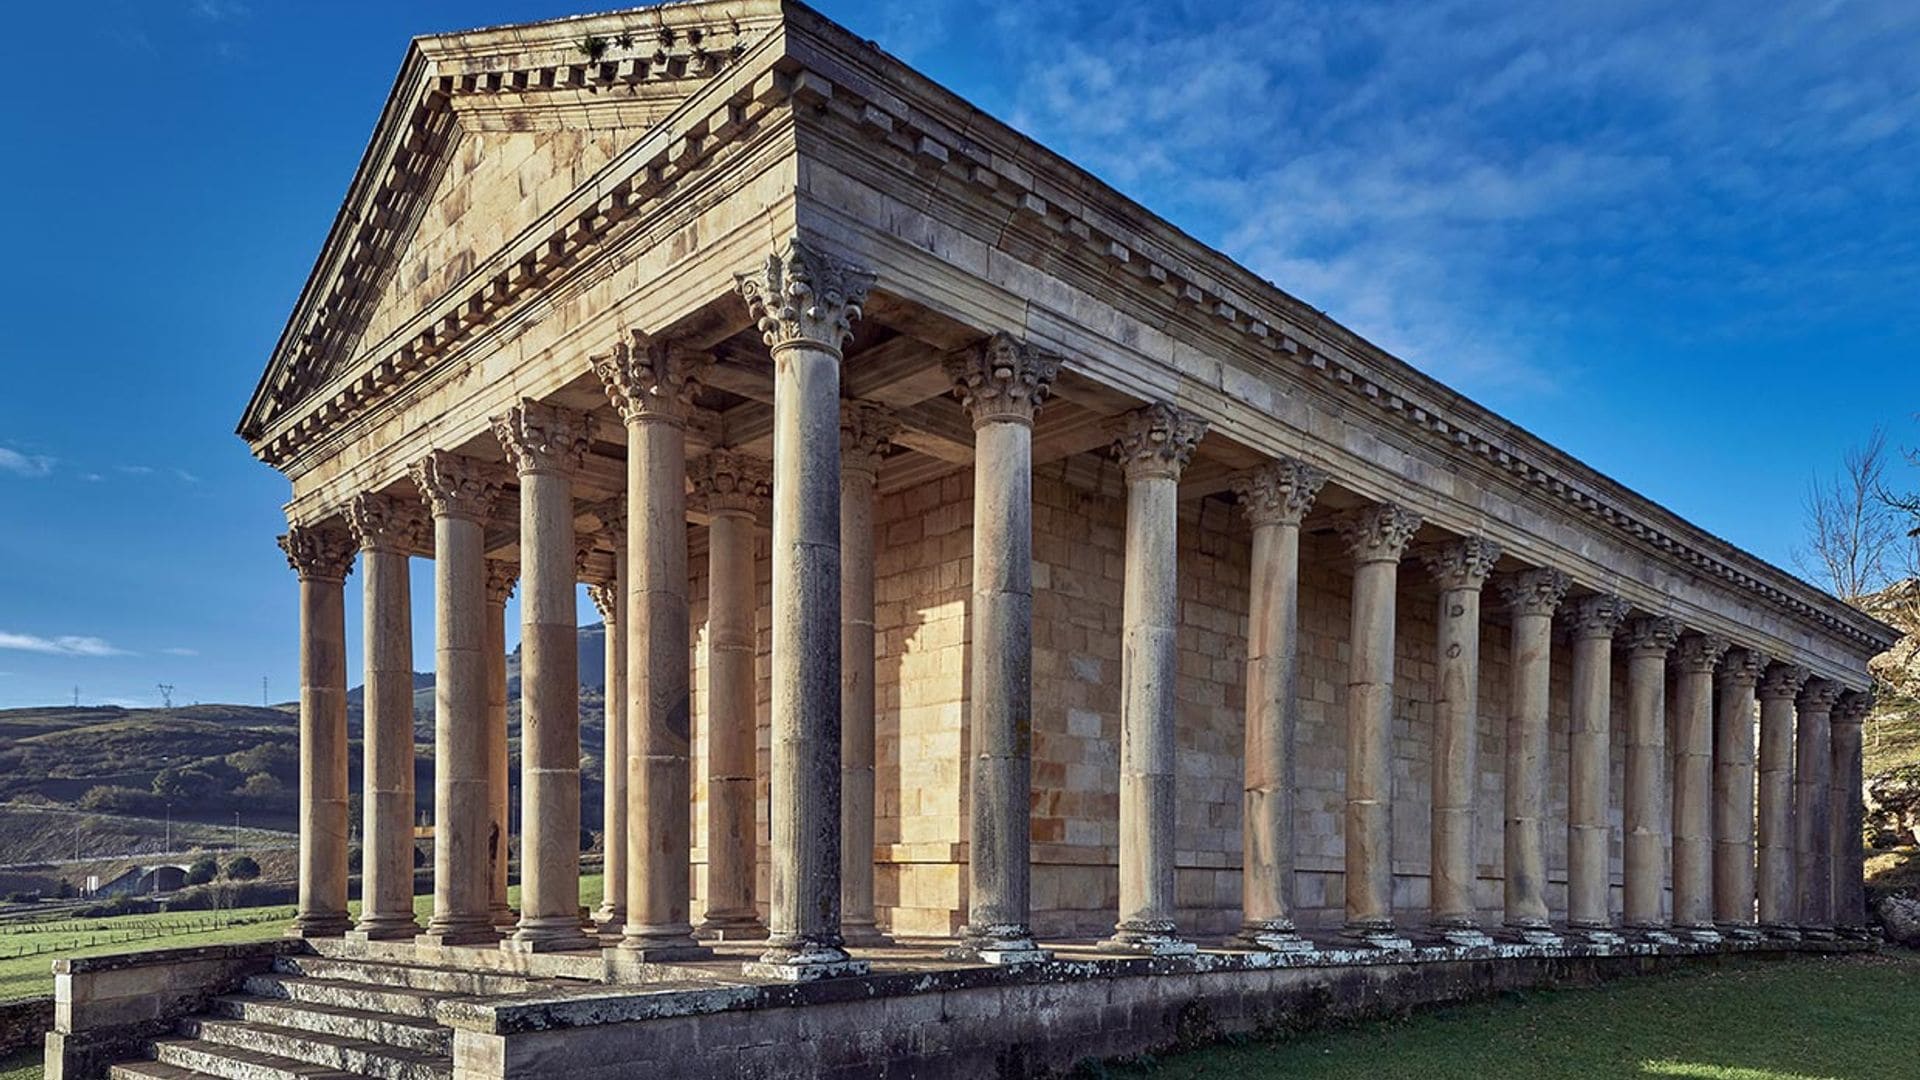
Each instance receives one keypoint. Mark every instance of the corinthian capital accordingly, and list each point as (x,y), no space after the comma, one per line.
(1783,681)
(1853,707)
(456,486)
(1652,635)
(1700,653)
(1534,592)
(318,552)
(382,522)
(649,380)
(1279,492)
(501,574)
(1003,379)
(1597,616)
(1463,563)
(613,521)
(1742,667)
(725,480)
(866,436)
(1819,695)
(1378,533)
(1157,441)
(606,598)
(543,438)
(800,296)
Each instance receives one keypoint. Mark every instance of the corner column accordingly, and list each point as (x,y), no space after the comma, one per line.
(1779,913)
(1002,384)
(460,491)
(1274,497)
(610,598)
(389,531)
(1153,445)
(1848,816)
(501,576)
(1813,807)
(1733,783)
(734,489)
(805,303)
(1461,568)
(1377,538)
(1590,767)
(1645,818)
(865,433)
(1697,657)
(1532,596)
(322,556)
(547,446)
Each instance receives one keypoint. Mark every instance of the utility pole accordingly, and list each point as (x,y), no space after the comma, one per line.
(76,695)
(263,692)
(169,846)
(166,695)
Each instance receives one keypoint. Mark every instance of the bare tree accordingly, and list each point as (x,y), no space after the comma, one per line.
(1855,533)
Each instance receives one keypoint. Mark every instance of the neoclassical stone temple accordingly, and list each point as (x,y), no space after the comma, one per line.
(1003,589)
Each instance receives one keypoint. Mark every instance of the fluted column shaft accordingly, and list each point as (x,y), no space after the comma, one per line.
(1532,596)
(1848,816)
(1461,568)
(500,578)
(460,491)
(1813,807)
(1644,818)
(864,431)
(1376,537)
(322,556)
(1696,658)
(1779,911)
(1733,787)
(610,598)
(388,530)
(1589,760)
(1154,445)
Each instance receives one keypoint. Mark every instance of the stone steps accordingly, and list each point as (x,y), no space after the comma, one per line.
(350,1056)
(232,1063)
(422,1037)
(343,993)
(439,981)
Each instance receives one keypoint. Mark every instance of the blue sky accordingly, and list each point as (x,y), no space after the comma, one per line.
(1680,241)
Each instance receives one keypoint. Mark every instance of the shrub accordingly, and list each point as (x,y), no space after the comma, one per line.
(243,868)
(23,898)
(202,870)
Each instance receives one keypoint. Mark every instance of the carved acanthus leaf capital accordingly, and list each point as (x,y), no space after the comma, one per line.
(726,480)
(501,575)
(1783,681)
(583,549)
(456,486)
(1597,616)
(650,380)
(1463,563)
(383,522)
(866,435)
(1279,492)
(1379,532)
(1157,441)
(1742,667)
(613,521)
(1537,591)
(800,296)
(606,597)
(1652,635)
(1700,653)
(318,552)
(1853,707)
(1819,695)
(544,438)
(1003,379)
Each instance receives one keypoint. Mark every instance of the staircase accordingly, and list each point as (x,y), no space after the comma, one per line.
(313,1018)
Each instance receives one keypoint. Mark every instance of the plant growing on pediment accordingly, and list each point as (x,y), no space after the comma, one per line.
(594,46)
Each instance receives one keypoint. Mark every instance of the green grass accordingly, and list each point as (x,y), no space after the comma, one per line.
(1837,1018)
(32,975)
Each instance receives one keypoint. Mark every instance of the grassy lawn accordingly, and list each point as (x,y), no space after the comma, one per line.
(1839,1018)
(23,976)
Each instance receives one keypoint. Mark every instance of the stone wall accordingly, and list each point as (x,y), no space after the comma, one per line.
(24,1023)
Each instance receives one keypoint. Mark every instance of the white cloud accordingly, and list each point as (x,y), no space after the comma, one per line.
(178,651)
(135,470)
(186,476)
(31,465)
(64,645)
(221,10)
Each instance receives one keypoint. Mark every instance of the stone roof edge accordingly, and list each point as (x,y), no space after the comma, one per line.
(1017,169)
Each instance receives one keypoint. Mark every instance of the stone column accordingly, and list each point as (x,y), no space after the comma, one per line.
(1645,818)
(1733,780)
(1274,498)
(1376,537)
(610,598)
(865,431)
(1848,816)
(735,490)
(805,302)
(1461,568)
(651,384)
(389,531)
(1779,910)
(322,556)
(1813,808)
(1531,596)
(1154,444)
(460,491)
(1002,385)
(1590,767)
(1696,658)
(547,445)
(500,578)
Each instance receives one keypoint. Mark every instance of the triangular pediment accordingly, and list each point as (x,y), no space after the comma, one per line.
(484,133)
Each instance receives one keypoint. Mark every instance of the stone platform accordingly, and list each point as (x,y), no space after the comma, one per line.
(336,1008)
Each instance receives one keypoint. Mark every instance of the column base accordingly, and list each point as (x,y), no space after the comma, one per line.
(1854,933)
(460,934)
(1817,933)
(1148,937)
(1542,936)
(608,919)
(1271,935)
(504,917)
(1699,935)
(804,961)
(1780,932)
(320,925)
(385,928)
(661,944)
(560,934)
(1652,935)
(1002,946)
(731,928)
(864,936)
(1740,931)
(1462,935)
(1596,935)
(1377,936)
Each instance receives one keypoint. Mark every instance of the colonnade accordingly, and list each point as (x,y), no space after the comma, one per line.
(1794,869)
